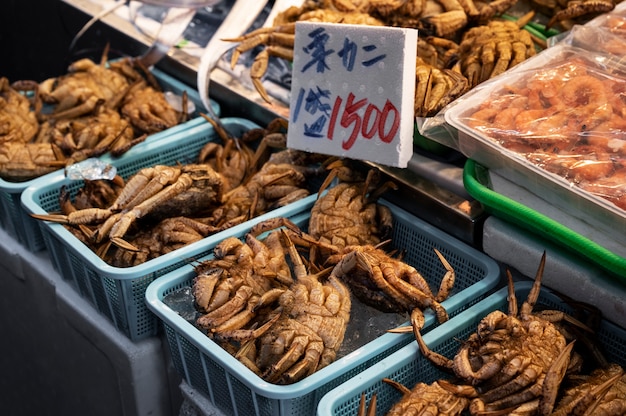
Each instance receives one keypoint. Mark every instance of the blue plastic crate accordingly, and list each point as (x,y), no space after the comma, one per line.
(26,230)
(234,389)
(409,367)
(118,292)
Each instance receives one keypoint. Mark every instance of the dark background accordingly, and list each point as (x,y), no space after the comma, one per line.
(35,36)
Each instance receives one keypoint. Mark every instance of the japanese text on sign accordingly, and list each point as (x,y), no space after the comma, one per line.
(352,91)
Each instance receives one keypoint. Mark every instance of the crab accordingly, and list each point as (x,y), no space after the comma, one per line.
(435,398)
(566,12)
(157,192)
(18,117)
(348,213)
(389,284)
(148,111)
(278,40)
(21,162)
(232,288)
(90,135)
(232,158)
(86,86)
(489,50)
(273,186)
(514,360)
(314,315)
(435,88)
(601,392)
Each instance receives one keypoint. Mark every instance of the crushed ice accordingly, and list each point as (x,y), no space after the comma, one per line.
(366,323)
(91,169)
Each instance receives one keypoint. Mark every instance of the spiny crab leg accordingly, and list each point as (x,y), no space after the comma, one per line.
(84,216)
(554,376)
(447,282)
(371,409)
(120,227)
(417,323)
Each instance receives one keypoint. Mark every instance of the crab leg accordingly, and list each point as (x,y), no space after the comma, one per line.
(128,218)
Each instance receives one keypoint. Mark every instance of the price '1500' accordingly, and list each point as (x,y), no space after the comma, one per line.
(374,122)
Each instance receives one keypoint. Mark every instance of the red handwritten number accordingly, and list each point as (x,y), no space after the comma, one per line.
(395,125)
(371,109)
(350,116)
(333,118)
(373,122)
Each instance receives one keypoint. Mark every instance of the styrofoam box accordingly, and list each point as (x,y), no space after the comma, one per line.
(235,389)
(118,292)
(409,367)
(556,190)
(21,226)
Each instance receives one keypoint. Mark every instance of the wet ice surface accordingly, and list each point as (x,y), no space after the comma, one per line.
(366,323)
(91,169)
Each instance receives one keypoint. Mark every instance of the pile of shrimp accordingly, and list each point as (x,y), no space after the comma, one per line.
(568,118)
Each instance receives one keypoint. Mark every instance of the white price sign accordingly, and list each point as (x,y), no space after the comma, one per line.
(352,92)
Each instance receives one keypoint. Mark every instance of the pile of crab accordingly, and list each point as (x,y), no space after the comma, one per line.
(460,44)
(526,362)
(280,298)
(162,208)
(93,109)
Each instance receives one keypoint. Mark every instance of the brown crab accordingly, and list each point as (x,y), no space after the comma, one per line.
(158,192)
(348,214)
(85,86)
(512,360)
(489,50)
(232,289)
(314,315)
(21,162)
(435,88)
(566,12)
(92,134)
(601,392)
(422,399)
(389,284)
(18,117)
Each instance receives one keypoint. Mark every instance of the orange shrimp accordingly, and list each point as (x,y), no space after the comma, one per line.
(543,93)
(616,91)
(612,188)
(584,92)
(589,163)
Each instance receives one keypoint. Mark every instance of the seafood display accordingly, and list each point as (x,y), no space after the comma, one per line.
(93,109)
(522,363)
(349,226)
(162,208)
(473,43)
(567,118)
(279,298)
(281,320)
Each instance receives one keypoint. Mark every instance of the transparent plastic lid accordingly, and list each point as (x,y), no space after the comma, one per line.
(181,3)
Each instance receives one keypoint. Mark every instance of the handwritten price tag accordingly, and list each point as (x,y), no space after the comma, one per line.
(352,92)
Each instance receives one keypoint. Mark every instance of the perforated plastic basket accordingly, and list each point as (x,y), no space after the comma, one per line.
(408,366)
(26,230)
(234,389)
(118,292)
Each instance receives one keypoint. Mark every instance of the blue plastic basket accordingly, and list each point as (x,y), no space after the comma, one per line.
(21,226)
(118,292)
(234,389)
(409,367)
